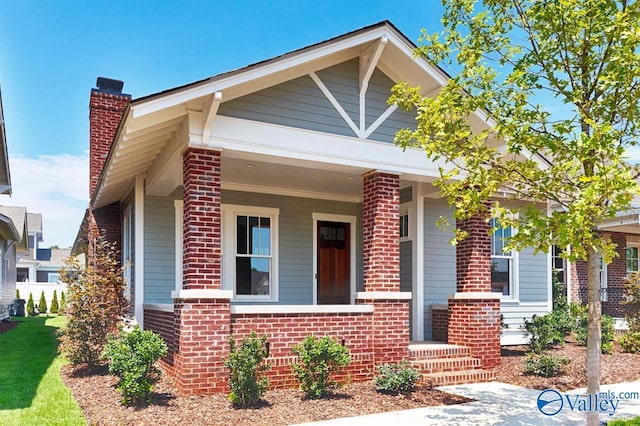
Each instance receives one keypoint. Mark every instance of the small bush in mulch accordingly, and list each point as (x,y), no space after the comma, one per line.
(545,365)
(245,364)
(396,378)
(318,359)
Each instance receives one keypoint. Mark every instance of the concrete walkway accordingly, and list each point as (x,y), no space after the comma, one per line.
(501,404)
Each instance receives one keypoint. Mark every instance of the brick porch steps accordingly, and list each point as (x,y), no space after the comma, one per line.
(443,364)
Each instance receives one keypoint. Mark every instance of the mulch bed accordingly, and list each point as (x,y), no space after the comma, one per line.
(7,325)
(99,400)
(616,368)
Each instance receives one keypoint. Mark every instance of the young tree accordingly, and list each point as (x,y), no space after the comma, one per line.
(42,304)
(578,57)
(31,309)
(63,302)
(17,294)
(54,303)
(94,305)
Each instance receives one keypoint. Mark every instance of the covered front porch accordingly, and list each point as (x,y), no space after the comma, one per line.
(270,260)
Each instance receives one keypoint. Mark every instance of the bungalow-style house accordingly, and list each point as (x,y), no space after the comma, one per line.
(13,235)
(38,270)
(272,199)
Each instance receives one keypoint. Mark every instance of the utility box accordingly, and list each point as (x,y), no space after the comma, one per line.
(19,307)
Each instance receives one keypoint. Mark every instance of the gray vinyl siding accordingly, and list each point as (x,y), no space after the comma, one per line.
(297,103)
(439,260)
(300,103)
(296,239)
(342,82)
(533,276)
(406,270)
(159,251)
(376,104)
(8,280)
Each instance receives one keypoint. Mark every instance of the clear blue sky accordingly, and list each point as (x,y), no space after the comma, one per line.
(52,51)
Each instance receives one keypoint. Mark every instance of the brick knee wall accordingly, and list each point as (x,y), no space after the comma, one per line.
(285,330)
(439,324)
(163,323)
(476,323)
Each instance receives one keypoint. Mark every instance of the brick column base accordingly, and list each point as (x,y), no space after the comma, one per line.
(202,332)
(390,325)
(474,321)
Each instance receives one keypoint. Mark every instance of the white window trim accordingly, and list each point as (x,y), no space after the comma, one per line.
(405,212)
(229,213)
(352,221)
(634,245)
(514,274)
(603,281)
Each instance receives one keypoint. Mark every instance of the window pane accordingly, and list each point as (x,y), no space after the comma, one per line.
(241,234)
(254,235)
(500,276)
(264,247)
(252,276)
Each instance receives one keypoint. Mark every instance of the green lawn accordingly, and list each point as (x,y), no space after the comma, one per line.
(31,390)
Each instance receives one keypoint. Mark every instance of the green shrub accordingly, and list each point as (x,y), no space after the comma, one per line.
(95,303)
(632,301)
(608,332)
(396,378)
(543,333)
(317,360)
(54,303)
(17,294)
(132,357)
(630,341)
(245,364)
(31,308)
(42,304)
(545,365)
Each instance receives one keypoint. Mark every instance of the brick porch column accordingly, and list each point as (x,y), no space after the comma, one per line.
(201,308)
(474,312)
(381,264)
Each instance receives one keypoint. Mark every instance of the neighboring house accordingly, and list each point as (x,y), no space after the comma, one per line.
(624,231)
(272,199)
(13,235)
(38,270)
(13,244)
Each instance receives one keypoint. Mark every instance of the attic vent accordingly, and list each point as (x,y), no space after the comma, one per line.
(109,85)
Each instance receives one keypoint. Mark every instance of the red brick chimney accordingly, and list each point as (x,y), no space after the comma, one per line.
(106,105)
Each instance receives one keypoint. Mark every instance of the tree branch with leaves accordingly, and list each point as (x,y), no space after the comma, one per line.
(558,84)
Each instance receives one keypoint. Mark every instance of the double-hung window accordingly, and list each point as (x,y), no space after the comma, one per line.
(632,259)
(502,261)
(250,252)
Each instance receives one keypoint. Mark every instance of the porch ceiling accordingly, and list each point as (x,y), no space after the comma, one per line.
(305,180)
